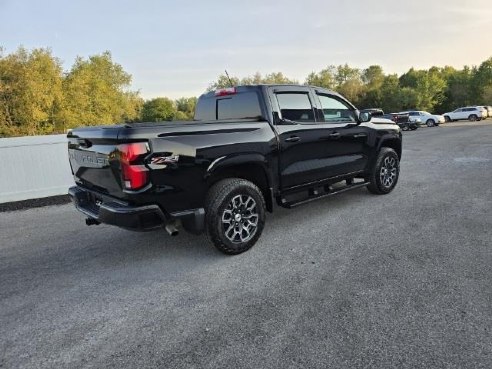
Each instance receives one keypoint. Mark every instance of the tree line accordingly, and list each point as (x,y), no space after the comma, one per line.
(38,97)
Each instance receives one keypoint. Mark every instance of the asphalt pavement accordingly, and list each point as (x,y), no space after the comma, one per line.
(353,281)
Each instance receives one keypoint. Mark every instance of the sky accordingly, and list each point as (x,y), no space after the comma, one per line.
(177,48)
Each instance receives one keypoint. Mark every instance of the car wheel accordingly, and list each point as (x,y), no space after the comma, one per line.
(430,123)
(472,118)
(405,127)
(447,119)
(235,215)
(385,173)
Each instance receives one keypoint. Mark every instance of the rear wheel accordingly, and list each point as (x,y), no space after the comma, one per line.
(430,123)
(385,173)
(472,118)
(235,215)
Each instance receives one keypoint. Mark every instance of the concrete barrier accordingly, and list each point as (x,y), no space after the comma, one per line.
(34,167)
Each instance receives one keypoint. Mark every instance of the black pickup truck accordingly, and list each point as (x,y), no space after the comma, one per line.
(248,148)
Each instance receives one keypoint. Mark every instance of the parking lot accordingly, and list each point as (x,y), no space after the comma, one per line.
(353,281)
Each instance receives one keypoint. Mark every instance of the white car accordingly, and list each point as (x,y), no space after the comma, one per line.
(471,113)
(420,116)
(485,111)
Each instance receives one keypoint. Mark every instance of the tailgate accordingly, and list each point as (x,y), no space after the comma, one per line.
(92,155)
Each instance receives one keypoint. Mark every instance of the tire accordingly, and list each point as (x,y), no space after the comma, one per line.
(405,127)
(228,203)
(430,123)
(385,173)
(447,119)
(472,118)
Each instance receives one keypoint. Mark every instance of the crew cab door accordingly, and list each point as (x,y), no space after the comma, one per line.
(313,149)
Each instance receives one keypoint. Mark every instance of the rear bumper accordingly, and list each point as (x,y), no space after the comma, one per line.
(104,209)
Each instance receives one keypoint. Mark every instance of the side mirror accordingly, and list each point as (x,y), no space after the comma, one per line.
(364,117)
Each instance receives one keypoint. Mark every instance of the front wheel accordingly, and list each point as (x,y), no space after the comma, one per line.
(385,173)
(430,123)
(447,119)
(235,215)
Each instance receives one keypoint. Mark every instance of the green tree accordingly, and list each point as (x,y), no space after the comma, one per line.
(390,94)
(324,78)
(96,92)
(223,82)
(457,90)
(30,92)
(133,107)
(428,85)
(482,83)
(273,78)
(349,83)
(257,78)
(158,109)
(185,108)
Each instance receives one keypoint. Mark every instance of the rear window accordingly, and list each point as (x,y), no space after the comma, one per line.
(243,105)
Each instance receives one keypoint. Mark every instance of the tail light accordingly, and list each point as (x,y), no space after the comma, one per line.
(135,175)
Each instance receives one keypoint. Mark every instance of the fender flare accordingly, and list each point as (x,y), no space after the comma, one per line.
(230,161)
(390,137)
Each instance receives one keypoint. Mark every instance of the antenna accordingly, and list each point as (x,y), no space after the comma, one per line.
(229,78)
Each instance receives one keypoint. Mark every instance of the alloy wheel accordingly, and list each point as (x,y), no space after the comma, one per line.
(388,171)
(240,219)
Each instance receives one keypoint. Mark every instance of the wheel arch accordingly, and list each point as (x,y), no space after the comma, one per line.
(251,167)
(393,143)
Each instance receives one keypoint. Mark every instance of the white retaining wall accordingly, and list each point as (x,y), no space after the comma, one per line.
(33,167)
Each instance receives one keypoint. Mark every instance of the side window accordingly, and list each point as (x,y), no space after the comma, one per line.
(413,113)
(296,107)
(335,111)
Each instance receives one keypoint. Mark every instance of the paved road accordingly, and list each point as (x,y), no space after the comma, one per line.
(355,281)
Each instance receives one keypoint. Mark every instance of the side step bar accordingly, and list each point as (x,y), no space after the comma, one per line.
(314,195)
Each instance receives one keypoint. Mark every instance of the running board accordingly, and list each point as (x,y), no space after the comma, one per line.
(291,205)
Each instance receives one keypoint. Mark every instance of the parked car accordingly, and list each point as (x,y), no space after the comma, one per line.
(489,110)
(486,111)
(249,147)
(431,120)
(471,113)
(402,121)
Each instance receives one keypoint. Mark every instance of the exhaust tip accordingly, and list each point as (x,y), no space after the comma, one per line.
(172,230)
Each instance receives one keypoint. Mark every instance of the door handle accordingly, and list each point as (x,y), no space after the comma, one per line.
(360,135)
(334,135)
(293,139)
